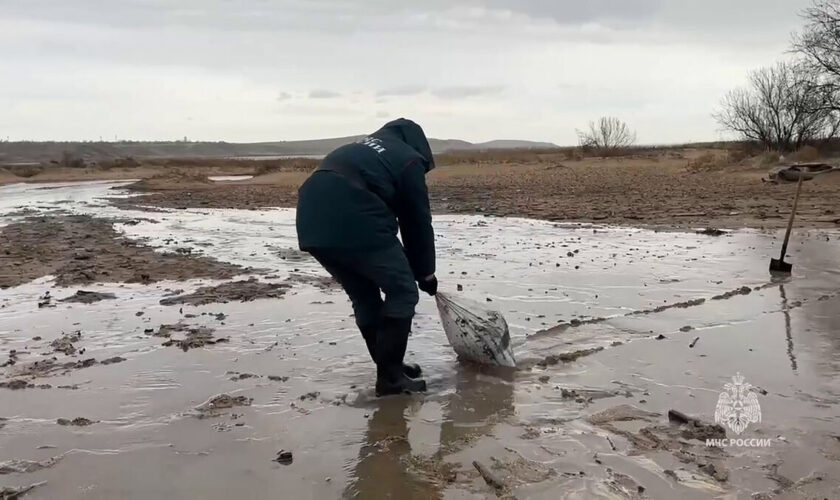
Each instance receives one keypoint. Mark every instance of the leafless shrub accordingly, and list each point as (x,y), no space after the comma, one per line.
(607,135)
(768,158)
(572,154)
(25,171)
(736,156)
(70,160)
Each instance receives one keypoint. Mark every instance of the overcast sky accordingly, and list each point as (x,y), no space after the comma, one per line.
(260,70)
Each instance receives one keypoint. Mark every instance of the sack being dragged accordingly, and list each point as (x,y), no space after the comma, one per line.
(476,333)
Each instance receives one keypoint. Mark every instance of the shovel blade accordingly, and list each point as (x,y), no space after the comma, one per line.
(780,266)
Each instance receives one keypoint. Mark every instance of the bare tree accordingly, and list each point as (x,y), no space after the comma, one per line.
(819,44)
(779,108)
(607,134)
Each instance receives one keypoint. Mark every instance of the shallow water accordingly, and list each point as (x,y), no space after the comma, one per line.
(221,178)
(781,337)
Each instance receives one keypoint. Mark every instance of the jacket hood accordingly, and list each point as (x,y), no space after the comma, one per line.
(410,133)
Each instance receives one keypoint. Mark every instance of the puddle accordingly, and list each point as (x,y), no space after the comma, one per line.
(599,296)
(226,178)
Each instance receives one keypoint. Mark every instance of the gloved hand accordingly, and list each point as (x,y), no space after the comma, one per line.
(429,284)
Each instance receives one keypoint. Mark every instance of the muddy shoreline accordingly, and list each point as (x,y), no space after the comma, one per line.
(659,191)
(80,249)
(251,383)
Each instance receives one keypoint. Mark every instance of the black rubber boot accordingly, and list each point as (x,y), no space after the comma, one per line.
(411,370)
(391,342)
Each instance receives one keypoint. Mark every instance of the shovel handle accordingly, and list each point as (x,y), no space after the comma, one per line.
(792,215)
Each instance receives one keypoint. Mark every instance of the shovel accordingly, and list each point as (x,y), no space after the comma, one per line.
(779,265)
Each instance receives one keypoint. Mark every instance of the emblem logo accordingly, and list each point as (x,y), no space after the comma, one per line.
(737,406)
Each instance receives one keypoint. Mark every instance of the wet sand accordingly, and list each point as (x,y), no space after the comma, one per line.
(81,249)
(662,189)
(612,327)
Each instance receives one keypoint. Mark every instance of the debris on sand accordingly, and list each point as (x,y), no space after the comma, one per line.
(166,331)
(211,407)
(284,457)
(686,328)
(692,428)
(787,486)
(46,367)
(744,290)
(530,433)
(693,342)
(13,358)
(678,305)
(44,300)
(278,378)
(717,471)
(115,359)
(624,486)
(86,297)
(9,493)
(85,363)
(712,231)
(293,255)
(193,336)
(319,282)
(567,357)
(65,343)
(77,422)
(80,249)
(27,466)
(512,470)
(243,291)
(648,437)
(622,413)
(310,396)
(488,476)
(16,384)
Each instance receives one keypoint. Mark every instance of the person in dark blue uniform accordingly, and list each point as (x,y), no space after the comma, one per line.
(349,212)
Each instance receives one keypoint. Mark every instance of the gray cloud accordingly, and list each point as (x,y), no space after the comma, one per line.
(323,94)
(135,67)
(464,91)
(402,90)
(576,12)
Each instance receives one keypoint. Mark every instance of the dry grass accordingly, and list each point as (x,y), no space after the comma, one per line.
(501,156)
(767,159)
(257,167)
(705,162)
(805,154)
(25,171)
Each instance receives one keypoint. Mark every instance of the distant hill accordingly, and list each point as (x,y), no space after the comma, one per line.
(513,144)
(41,152)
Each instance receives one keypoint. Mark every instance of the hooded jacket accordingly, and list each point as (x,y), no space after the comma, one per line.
(363,193)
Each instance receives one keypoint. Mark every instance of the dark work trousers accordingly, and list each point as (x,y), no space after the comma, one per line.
(363,274)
